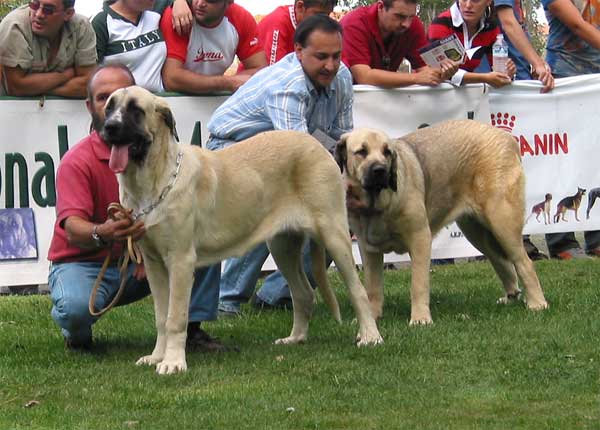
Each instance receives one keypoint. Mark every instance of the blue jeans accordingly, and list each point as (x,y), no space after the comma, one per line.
(240,276)
(71,286)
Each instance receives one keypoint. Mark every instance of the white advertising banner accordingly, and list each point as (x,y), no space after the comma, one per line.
(552,129)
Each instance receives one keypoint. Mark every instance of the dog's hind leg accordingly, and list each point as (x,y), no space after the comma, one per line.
(484,241)
(319,271)
(286,249)
(158,280)
(336,239)
(509,237)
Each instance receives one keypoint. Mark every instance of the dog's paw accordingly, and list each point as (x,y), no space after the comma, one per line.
(510,298)
(171,367)
(420,321)
(368,339)
(148,360)
(538,306)
(290,340)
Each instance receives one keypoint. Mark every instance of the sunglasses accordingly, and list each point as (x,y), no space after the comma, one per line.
(47,9)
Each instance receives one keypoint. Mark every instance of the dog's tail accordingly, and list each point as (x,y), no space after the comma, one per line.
(317,255)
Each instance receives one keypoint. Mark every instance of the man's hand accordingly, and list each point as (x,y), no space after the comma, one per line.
(543,73)
(121,229)
(496,79)
(182,17)
(448,68)
(428,76)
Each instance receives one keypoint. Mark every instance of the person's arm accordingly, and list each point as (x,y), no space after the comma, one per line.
(364,74)
(495,79)
(567,13)
(76,86)
(79,231)
(177,78)
(21,84)
(182,17)
(254,63)
(521,42)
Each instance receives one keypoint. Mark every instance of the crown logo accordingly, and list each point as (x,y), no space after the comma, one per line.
(504,121)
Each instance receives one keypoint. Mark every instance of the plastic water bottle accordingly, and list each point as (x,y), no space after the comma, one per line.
(500,54)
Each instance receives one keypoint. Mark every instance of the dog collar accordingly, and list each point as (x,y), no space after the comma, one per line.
(164,192)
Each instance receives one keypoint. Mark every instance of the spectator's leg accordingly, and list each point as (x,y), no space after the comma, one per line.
(205,294)
(562,245)
(239,278)
(592,242)
(532,251)
(275,290)
(70,288)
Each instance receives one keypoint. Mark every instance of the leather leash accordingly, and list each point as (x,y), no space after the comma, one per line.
(131,253)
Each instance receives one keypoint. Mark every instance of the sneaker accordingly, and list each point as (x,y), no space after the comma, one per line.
(536,255)
(71,345)
(595,252)
(198,339)
(570,254)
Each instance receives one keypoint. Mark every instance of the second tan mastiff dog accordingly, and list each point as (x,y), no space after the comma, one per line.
(200,207)
(400,193)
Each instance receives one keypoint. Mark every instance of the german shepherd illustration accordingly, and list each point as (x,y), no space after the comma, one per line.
(542,208)
(569,203)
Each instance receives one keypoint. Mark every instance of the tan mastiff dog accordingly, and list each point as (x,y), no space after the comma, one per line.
(402,192)
(200,207)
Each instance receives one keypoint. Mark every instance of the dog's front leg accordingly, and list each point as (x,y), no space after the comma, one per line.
(158,279)
(419,246)
(373,268)
(181,276)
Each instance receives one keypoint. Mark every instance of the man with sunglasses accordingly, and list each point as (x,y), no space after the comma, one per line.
(46,49)
(197,62)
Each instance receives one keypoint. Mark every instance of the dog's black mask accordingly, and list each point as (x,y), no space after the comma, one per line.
(124,129)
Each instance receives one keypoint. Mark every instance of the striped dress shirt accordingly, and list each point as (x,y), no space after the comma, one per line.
(282,97)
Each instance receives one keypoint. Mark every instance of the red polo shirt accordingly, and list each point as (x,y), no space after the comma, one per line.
(363,43)
(276,32)
(85,187)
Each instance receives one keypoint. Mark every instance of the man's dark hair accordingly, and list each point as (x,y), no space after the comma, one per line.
(68,4)
(101,67)
(388,3)
(323,3)
(313,23)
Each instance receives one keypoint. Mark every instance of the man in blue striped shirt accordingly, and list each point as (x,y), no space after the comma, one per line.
(308,90)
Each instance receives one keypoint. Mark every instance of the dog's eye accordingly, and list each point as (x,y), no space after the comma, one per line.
(362,152)
(387,153)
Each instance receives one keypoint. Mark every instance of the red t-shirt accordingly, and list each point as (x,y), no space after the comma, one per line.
(276,33)
(211,50)
(363,43)
(85,187)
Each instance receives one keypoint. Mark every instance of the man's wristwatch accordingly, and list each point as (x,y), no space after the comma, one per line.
(98,241)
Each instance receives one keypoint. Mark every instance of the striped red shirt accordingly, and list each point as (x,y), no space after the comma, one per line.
(443,26)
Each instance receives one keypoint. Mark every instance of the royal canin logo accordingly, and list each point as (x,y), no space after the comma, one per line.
(543,144)
(208,56)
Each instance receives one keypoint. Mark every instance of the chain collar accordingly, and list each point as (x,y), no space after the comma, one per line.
(164,192)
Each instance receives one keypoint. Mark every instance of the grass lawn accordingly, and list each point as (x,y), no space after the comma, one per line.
(480,366)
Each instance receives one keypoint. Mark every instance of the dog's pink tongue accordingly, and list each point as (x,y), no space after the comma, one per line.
(119,157)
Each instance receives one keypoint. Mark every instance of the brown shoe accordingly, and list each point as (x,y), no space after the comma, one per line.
(198,339)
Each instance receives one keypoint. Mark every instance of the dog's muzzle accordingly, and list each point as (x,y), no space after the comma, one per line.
(376,178)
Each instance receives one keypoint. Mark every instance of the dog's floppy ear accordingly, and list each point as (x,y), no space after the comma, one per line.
(393,178)
(164,111)
(340,151)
